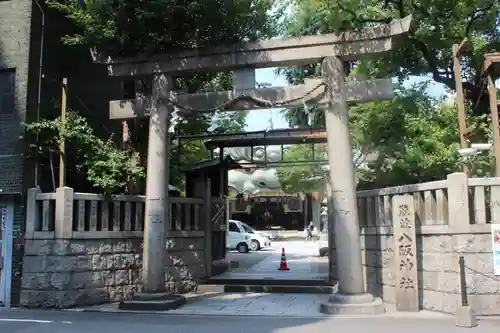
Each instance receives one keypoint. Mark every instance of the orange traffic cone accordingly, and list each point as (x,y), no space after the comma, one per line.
(283,264)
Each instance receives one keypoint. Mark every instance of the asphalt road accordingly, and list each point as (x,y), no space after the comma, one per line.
(33,321)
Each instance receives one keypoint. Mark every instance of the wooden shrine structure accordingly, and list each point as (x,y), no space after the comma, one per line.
(263,139)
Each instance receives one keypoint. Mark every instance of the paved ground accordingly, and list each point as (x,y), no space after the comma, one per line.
(302,258)
(248,260)
(237,304)
(32,321)
(304,264)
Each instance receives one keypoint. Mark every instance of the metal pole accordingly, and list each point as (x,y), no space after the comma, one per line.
(460,100)
(62,152)
(40,76)
(463,281)
(492,91)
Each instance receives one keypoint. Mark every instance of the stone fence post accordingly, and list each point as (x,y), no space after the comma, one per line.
(458,200)
(64,213)
(32,213)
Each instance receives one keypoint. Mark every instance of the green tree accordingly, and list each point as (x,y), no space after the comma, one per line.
(130,27)
(190,152)
(410,139)
(108,168)
(437,24)
(303,177)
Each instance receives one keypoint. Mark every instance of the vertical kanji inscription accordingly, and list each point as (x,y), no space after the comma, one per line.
(405,253)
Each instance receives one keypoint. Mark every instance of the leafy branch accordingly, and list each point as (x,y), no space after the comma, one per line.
(107,167)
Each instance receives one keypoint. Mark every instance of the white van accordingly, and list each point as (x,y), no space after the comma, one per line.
(237,239)
(259,240)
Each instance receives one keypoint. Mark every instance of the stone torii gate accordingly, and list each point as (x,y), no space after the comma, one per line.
(333,92)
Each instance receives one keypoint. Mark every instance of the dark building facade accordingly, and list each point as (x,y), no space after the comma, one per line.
(33,61)
(15,43)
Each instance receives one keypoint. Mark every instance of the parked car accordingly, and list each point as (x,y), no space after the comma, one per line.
(238,239)
(259,239)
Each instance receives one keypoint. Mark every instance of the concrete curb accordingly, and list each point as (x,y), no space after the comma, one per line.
(284,289)
(180,312)
(165,302)
(268,282)
(219,313)
(387,316)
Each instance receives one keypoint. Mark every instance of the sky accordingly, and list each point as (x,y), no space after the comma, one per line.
(259,120)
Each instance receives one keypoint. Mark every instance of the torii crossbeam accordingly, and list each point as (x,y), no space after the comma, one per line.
(333,95)
(356,92)
(279,52)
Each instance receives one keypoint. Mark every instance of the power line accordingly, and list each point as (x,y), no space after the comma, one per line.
(53,80)
(90,112)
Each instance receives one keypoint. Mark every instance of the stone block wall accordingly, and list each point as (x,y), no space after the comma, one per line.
(77,272)
(67,273)
(185,261)
(440,277)
(378,260)
(438,251)
(416,233)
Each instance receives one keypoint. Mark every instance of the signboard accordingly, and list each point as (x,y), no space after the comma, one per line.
(495,240)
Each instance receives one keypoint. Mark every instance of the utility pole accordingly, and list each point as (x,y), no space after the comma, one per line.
(457,48)
(62,157)
(492,70)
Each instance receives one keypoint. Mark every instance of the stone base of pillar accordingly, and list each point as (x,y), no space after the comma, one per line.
(465,317)
(361,304)
(153,302)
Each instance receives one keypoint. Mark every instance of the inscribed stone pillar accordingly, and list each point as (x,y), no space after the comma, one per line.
(343,184)
(64,213)
(403,216)
(156,187)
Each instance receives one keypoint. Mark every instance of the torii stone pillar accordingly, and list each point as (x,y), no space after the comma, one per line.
(153,273)
(156,208)
(351,284)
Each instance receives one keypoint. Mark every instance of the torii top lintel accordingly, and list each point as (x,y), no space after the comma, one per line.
(280,52)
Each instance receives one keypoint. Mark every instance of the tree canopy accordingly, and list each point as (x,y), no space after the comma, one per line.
(303,178)
(410,139)
(427,50)
(131,27)
(413,137)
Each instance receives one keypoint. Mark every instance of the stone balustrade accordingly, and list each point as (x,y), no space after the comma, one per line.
(97,213)
(78,252)
(84,249)
(451,218)
(431,204)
